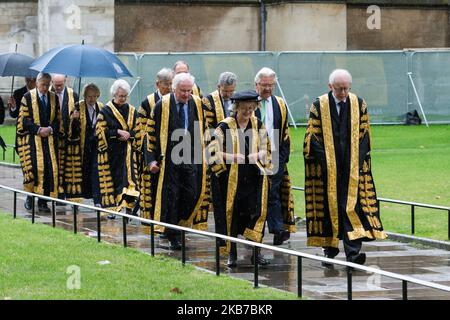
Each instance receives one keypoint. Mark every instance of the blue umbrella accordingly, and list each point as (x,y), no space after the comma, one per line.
(16,64)
(81,60)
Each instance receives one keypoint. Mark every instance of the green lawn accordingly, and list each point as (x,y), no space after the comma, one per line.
(8,133)
(37,262)
(410,163)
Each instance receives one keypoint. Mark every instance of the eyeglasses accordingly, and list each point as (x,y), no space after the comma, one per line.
(122,96)
(341,89)
(267,85)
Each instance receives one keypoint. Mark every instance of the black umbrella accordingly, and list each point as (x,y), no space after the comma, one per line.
(16,65)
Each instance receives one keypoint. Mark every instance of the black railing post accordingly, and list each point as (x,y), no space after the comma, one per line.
(299,277)
(152,239)
(255,260)
(15,205)
(448,225)
(124,229)
(53,213)
(217,256)
(183,247)
(33,209)
(99,226)
(75,219)
(14,155)
(4,154)
(349,283)
(405,289)
(412,220)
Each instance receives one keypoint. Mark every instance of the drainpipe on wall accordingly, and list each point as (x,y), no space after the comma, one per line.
(263,14)
(448,24)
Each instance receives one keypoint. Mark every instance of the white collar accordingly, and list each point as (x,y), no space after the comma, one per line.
(336,100)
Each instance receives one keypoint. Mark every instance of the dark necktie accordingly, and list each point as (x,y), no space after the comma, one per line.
(341,107)
(181,116)
(45,105)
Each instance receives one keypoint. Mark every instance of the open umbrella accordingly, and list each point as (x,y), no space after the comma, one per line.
(16,64)
(81,60)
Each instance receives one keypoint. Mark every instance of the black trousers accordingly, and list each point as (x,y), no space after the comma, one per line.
(219,203)
(183,189)
(351,247)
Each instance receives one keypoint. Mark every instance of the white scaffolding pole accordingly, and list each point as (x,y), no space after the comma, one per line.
(287,106)
(417,97)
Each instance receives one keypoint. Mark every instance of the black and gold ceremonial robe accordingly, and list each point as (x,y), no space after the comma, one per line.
(242,182)
(215,109)
(116,159)
(339,188)
(280,122)
(79,138)
(158,146)
(196,91)
(38,156)
(145,179)
(67,189)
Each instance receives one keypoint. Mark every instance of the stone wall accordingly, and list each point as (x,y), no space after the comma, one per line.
(165,28)
(62,22)
(306,26)
(18,25)
(399,28)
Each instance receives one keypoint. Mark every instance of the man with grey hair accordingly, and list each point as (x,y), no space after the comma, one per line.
(182,67)
(145,178)
(340,196)
(218,108)
(175,133)
(273,113)
(37,141)
(66,96)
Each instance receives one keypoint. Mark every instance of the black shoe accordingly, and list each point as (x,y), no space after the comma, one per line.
(359,258)
(28,203)
(260,259)
(329,256)
(175,245)
(111,216)
(328,265)
(286,235)
(280,237)
(232,261)
(44,208)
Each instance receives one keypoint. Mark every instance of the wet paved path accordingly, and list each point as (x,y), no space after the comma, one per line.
(318,283)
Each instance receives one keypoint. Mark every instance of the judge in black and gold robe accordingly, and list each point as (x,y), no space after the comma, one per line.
(183,67)
(116,125)
(146,180)
(174,150)
(67,99)
(273,113)
(240,153)
(218,108)
(341,201)
(81,163)
(37,141)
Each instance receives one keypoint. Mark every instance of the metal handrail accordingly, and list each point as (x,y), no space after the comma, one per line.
(413,206)
(13,150)
(300,255)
